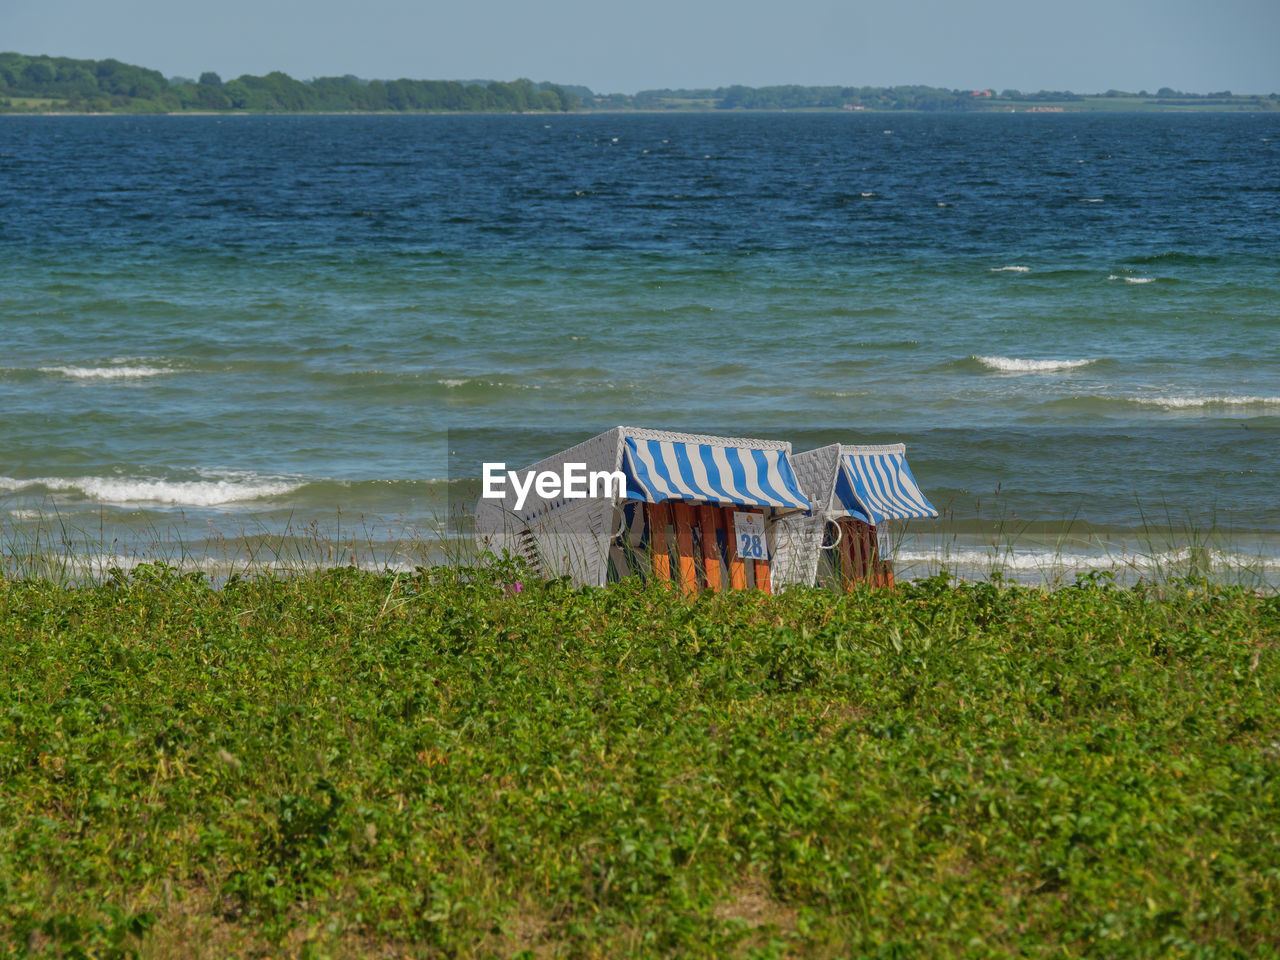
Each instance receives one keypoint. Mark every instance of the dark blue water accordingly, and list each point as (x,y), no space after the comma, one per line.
(253,322)
(742,183)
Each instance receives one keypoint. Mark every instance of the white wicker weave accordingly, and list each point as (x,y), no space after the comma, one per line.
(817,471)
(640,433)
(795,541)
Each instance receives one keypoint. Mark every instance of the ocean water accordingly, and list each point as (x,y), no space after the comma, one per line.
(222,332)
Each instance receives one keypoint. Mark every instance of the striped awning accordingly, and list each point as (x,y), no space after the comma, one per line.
(879,486)
(659,470)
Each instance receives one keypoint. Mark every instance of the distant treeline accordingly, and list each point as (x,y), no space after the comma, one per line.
(51,84)
(796,97)
(104,86)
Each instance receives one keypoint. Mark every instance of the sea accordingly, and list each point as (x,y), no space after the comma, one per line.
(293,339)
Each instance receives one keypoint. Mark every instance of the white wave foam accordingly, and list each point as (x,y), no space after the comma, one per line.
(1180,403)
(113,372)
(1014,268)
(1116,276)
(1017,365)
(455,383)
(1215,559)
(127,491)
(1090,199)
(1049,561)
(1031,561)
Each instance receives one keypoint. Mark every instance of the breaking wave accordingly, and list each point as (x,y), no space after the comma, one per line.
(1019,365)
(125,491)
(110,372)
(1181,403)
(977,560)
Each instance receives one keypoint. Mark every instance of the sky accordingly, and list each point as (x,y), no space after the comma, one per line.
(1088,46)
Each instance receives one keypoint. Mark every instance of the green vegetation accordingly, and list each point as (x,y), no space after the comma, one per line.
(796,97)
(42,84)
(105,86)
(926,99)
(352,765)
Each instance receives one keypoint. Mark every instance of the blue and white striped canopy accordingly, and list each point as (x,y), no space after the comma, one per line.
(659,470)
(879,486)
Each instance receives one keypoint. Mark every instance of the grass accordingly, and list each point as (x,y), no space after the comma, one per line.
(46,545)
(349,764)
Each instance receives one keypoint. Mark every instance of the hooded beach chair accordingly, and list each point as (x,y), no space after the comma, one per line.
(700,511)
(855,491)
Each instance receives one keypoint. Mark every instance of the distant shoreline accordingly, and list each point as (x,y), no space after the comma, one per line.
(1032,110)
(62,86)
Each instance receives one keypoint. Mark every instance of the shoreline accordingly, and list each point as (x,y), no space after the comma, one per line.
(51,549)
(1049,110)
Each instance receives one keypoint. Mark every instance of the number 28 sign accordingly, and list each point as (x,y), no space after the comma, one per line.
(748,529)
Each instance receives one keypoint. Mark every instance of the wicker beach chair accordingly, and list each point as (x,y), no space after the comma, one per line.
(856,491)
(675,520)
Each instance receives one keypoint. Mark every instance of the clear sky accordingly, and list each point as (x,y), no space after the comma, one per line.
(1088,46)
